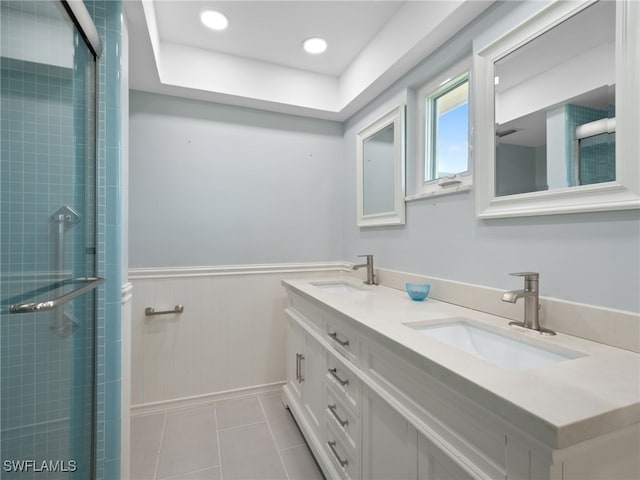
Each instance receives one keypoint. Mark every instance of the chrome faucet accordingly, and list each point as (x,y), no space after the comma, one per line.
(531,302)
(370,275)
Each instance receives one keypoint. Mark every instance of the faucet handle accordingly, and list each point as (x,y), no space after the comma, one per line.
(526,275)
(368,257)
(531,280)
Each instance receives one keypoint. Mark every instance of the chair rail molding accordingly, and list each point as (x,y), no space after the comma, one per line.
(250,269)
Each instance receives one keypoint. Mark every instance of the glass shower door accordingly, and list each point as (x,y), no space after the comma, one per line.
(47,244)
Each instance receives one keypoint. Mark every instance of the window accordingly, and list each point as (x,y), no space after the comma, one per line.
(443,164)
(448,130)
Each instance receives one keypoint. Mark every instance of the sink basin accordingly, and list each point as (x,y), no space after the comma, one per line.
(498,348)
(338,287)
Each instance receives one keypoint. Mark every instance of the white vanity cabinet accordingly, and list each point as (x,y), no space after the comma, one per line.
(389,441)
(353,431)
(372,408)
(305,374)
(343,413)
(434,464)
(294,350)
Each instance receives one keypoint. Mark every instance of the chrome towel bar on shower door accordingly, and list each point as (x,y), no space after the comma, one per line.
(88,284)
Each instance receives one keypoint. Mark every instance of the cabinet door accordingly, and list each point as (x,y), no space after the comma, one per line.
(294,353)
(434,464)
(313,385)
(389,442)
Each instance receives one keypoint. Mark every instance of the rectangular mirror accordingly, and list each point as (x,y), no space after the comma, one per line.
(380,171)
(557,117)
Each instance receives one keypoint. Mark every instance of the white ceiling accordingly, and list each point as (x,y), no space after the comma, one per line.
(274,31)
(259,62)
(592,27)
(580,35)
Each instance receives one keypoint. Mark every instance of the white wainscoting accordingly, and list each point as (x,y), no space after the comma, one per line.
(230,340)
(230,337)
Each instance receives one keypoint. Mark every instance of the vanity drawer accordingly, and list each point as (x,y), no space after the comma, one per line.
(343,419)
(343,339)
(344,383)
(345,460)
(310,312)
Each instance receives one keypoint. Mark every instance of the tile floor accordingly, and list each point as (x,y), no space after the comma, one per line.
(245,438)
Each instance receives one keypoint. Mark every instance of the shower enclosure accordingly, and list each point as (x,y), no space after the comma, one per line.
(47,240)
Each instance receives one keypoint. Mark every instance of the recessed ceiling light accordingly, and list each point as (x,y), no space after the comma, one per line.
(214,20)
(315,45)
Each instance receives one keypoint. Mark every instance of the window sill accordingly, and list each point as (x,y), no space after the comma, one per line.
(436,190)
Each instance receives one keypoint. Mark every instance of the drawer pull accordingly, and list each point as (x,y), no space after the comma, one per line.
(334,336)
(332,446)
(334,372)
(299,358)
(333,409)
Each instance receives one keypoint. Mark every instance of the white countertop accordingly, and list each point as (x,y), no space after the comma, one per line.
(560,404)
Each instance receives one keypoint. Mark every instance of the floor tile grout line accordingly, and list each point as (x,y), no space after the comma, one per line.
(181,475)
(264,412)
(215,415)
(162,438)
(241,426)
(291,447)
(164,424)
(218,431)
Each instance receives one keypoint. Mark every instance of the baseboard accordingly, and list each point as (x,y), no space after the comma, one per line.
(186,402)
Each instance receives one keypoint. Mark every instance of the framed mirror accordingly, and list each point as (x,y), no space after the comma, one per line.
(557,117)
(380,154)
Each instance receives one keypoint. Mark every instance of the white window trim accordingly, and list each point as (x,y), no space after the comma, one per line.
(461,182)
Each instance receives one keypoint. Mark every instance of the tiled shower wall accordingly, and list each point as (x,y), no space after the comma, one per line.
(109,20)
(597,160)
(25,180)
(43,120)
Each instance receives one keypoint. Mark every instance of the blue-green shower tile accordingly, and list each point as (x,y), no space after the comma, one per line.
(112,399)
(112,468)
(113,128)
(113,369)
(112,439)
(113,205)
(113,330)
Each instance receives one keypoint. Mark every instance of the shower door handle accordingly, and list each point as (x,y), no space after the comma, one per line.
(89,283)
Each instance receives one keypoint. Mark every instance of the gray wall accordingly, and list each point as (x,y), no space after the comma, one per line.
(219,185)
(591,258)
(588,258)
(214,185)
(515,169)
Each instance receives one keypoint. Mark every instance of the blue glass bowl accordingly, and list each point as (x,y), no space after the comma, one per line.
(418,291)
